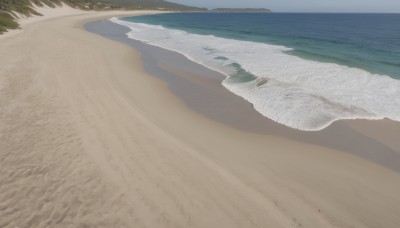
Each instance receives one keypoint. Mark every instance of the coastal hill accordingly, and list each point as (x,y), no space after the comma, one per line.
(153,4)
(10,10)
(242,10)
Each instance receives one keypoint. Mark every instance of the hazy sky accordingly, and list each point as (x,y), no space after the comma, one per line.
(374,6)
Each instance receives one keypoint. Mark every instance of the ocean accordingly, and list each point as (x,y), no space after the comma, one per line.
(304,71)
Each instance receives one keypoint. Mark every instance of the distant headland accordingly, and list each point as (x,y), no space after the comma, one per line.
(241,10)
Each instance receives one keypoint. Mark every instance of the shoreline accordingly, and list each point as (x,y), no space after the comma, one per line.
(200,89)
(320,97)
(89,138)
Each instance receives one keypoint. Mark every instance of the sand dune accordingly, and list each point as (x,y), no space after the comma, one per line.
(88,139)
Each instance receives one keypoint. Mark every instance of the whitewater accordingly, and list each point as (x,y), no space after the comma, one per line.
(299,93)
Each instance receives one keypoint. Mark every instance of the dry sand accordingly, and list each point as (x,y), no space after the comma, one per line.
(88,139)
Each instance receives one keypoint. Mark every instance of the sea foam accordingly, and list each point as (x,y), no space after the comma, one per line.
(299,93)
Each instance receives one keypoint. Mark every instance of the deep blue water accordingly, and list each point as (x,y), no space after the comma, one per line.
(366,41)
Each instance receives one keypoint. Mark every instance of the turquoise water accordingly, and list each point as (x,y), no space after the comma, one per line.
(301,70)
(367,41)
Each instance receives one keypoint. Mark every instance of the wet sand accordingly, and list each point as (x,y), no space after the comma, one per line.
(201,90)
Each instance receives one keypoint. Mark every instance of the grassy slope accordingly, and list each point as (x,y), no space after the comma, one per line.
(7,9)
(25,7)
(7,22)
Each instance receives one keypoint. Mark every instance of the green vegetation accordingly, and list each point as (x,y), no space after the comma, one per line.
(91,4)
(7,22)
(9,8)
(23,7)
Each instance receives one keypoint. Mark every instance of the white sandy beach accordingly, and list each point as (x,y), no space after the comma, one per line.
(89,139)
